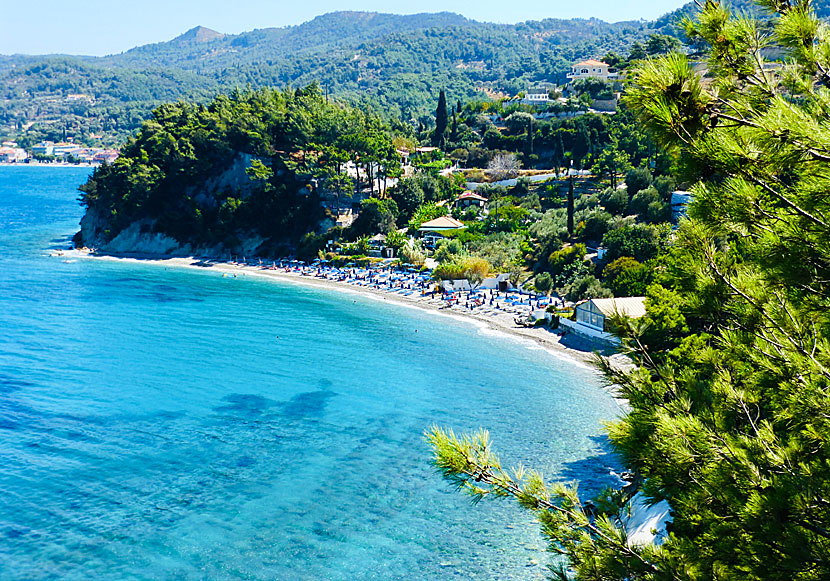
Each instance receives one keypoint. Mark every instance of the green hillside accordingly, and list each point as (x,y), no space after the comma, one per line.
(393,64)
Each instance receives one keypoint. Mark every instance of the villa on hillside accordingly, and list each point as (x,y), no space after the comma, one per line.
(537,96)
(593,69)
(469,199)
(593,316)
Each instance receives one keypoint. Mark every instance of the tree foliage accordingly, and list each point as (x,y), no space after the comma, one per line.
(243,166)
(729,415)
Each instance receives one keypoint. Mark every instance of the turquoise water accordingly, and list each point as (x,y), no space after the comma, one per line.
(158,423)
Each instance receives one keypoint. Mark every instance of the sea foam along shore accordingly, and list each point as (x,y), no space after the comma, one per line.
(575,348)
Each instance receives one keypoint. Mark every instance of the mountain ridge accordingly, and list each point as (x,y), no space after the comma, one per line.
(392,63)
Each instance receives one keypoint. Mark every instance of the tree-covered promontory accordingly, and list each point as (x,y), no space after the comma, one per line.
(244,172)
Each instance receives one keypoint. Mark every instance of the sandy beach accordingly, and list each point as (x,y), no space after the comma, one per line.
(574,347)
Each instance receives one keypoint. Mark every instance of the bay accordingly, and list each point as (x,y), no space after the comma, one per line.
(160,423)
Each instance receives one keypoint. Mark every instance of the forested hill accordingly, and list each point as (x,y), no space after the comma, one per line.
(202,49)
(393,63)
(397,63)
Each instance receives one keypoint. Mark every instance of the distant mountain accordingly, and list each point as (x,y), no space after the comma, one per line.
(336,29)
(198,34)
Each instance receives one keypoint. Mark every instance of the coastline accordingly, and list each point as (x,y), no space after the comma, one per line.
(49,164)
(571,347)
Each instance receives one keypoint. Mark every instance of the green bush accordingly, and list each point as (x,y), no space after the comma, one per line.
(627,277)
(640,241)
(637,179)
(544,283)
(615,201)
(585,287)
(596,224)
(641,202)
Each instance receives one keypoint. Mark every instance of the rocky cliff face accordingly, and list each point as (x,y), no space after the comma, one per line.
(140,238)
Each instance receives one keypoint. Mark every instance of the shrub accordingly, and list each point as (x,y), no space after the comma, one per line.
(627,277)
(502,250)
(544,283)
(615,201)
(658,212)
(642,200)
(640,241)
(585,287)
(412,253)
(665,185)
(637,179)
(471,268)
(567,264)
(596,225)
(447,249)
(586,202)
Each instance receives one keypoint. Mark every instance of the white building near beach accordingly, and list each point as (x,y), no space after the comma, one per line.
(593,316)
(12,155)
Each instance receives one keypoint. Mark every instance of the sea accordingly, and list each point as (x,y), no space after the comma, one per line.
(167,423)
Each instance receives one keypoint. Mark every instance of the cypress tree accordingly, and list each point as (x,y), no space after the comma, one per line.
(441,120)
(570,205)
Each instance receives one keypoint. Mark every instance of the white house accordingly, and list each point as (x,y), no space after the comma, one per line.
(43,148)
(592,316)
(593,69)
(12,155)
(537,96)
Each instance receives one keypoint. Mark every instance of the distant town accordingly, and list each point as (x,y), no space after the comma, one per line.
(58,153)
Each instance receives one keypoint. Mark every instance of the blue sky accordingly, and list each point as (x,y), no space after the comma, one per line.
(98,27)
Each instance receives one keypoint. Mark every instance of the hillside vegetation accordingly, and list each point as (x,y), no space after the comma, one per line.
(394,64)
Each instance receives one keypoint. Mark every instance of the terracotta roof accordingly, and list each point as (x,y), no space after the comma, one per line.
(442,223)
(632,307)
(591,63)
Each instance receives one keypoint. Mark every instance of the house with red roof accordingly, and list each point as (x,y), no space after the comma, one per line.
(468,199)
(593,69)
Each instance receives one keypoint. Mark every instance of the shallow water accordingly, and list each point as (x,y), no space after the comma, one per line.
(165,423)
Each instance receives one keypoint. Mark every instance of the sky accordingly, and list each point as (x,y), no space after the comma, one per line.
(98,27)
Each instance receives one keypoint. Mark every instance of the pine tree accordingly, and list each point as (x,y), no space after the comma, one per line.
(441,120)
(729,417)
